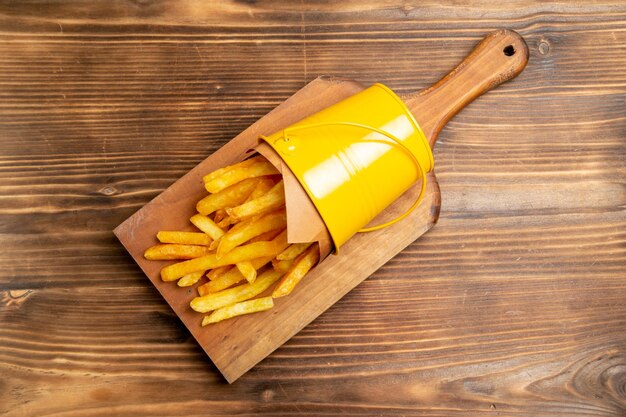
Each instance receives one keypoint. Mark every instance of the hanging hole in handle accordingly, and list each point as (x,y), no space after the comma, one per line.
(509,50)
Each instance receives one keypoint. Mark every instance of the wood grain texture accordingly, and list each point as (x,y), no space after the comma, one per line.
(513,305)
(497,58)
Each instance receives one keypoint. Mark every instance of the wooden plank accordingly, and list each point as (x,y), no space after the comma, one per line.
(511,305)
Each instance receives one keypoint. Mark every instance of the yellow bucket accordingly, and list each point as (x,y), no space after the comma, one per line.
(355,158)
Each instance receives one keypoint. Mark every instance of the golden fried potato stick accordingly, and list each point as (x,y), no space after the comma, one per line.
(215,273)
(259,263)
(229,197)
(230,278)
(239,309)
(282,266)
(247,270)
(269,201)
(237,174)
(184,238)
(301,265)
(247,230)
(236,294)
(264,185)
(263,237)
(239,254)
(226,221)
(190,279)
(213,246)
(168,251)
(219,215)
(219,172)
(207,225)
(293,251)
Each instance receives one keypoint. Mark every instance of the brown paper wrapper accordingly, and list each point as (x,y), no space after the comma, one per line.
(304,223)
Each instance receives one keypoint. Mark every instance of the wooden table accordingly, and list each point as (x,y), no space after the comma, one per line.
(513,305)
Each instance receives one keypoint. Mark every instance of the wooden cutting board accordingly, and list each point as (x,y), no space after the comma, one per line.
(238,344)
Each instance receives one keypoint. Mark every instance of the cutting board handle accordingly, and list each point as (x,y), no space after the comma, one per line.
(499,57)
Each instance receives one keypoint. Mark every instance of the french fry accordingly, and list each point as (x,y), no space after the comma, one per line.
(259,263)
(247,270)
(219,215)
(169,251)
(263,186)
(236,225)
(247,230)
(190,279)
(237,294)
(229,197)
(282,266)
(184,238)
(213,246)
(293,251)
(301,265)
(207,225)
(237,174)
(269,201)
(239,309)
(239,254)
(215,273)
(222,171)
(263,237)
(230,278)
(225,222)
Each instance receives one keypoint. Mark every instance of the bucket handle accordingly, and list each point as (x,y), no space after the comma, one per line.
(397,142)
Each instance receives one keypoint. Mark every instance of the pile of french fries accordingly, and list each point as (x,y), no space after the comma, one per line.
(241,249)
